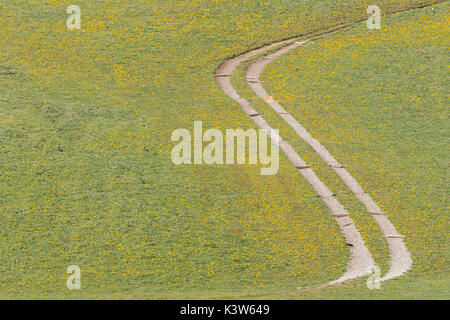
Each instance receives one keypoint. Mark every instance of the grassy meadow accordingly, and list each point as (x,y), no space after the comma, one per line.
(378,100)
(85,171)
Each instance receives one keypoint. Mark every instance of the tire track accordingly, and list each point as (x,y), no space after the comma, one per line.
(400,259)
(360,257)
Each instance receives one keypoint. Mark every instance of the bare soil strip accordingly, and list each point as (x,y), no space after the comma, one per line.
(400,259)
(360,257)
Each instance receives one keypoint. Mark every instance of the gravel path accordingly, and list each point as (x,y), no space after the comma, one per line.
(400,259)
(360,257)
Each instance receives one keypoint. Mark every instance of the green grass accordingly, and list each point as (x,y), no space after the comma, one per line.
(384,94)
(138,226)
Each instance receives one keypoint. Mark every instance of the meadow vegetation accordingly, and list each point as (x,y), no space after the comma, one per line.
(378,100)
(85,172)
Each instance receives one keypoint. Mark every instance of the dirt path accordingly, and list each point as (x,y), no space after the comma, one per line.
(360,258)
(400,259)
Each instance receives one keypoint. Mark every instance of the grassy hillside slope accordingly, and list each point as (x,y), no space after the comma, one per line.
(378,100)
(78,109)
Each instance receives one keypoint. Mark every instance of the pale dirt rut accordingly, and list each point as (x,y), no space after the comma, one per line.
(400,259)
(360,257)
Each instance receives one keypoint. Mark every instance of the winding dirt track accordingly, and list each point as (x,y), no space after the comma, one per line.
(400,259)
(360,258)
